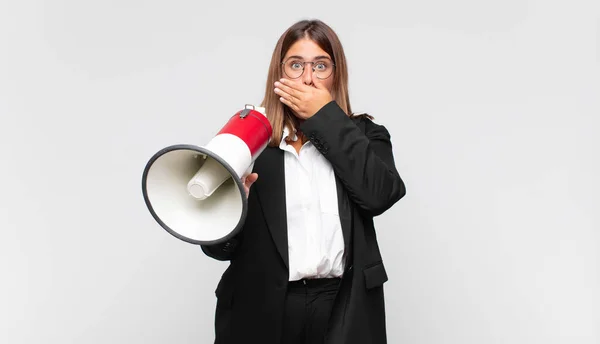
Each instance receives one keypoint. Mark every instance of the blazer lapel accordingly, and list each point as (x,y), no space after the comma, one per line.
(271,195)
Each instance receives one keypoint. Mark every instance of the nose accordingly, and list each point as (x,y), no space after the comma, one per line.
(307,76)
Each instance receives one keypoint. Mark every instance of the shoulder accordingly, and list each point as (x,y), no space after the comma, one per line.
(367,124)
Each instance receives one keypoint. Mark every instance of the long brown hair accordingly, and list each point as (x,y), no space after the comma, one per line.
(279,114)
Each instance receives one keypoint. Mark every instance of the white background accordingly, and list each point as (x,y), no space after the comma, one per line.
(494,113)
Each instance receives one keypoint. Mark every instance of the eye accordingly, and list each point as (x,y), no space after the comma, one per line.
(297,65)
(321,66)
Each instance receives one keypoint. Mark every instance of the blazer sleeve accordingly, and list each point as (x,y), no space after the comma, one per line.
(223,251)
(363,161)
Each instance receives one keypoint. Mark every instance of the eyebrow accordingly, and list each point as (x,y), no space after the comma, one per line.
(320,57)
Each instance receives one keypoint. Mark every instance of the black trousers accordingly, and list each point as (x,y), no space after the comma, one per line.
(307,309)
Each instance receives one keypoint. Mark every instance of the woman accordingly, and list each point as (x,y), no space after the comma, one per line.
(306,267)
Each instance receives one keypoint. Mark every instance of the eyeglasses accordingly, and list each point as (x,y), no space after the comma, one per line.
(294,68)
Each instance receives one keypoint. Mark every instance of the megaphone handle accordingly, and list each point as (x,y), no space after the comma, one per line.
(245,113)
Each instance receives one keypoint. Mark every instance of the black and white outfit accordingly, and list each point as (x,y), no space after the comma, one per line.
(306,267)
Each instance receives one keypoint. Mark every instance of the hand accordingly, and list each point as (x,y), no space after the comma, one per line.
(248,181)
(303,99)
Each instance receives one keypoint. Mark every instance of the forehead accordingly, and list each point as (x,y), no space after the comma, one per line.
(307,49)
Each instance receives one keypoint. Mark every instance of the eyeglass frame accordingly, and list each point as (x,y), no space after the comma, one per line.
(303,67)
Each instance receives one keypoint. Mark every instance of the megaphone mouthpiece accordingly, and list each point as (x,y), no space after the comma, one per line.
(208,178)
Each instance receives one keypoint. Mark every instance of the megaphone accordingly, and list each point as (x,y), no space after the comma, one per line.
(195,192)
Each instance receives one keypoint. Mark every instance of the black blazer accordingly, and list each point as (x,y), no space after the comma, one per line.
(251,292)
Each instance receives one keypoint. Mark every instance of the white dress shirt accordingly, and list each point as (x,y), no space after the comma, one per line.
(315,239)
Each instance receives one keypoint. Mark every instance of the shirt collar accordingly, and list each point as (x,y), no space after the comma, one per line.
(286,134)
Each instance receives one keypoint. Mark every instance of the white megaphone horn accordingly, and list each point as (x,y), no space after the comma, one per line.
(195,192)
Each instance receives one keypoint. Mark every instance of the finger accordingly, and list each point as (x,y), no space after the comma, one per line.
(297,85)
(286,95)
(251,179)
(282,88)
(289,103)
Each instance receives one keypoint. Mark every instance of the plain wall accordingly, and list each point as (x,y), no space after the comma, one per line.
(494,113)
